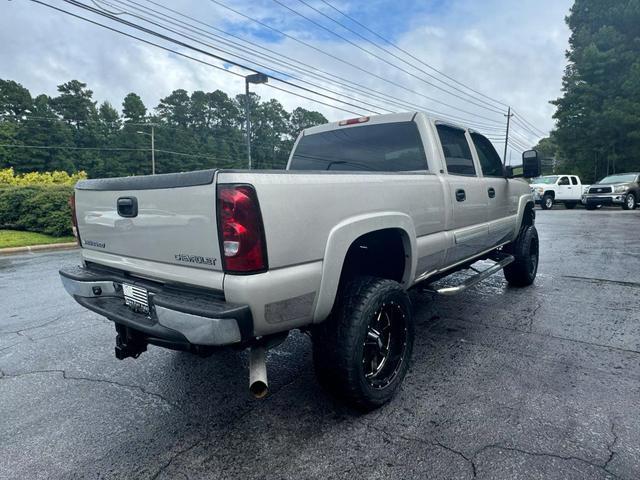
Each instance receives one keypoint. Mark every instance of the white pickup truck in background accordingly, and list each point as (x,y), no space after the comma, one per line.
(551,189)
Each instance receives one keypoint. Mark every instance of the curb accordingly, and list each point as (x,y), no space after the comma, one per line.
(38,248)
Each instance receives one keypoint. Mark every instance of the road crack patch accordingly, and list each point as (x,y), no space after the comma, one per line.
(497,446)
(603,280)
(67,376)
(21,331)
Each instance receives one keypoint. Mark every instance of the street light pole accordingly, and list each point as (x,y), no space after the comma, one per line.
(255,79)
(153,147)
(248,119)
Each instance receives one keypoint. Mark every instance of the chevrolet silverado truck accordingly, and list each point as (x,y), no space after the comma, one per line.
(620,189)
(562,189)
(366,209)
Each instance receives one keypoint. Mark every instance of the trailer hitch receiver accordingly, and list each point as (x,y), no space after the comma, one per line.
(128,343)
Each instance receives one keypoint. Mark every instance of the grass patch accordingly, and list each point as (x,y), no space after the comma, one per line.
(15,238)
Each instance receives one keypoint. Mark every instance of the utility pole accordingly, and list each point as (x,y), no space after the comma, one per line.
(153,147)
(255,79)
(248,120)
(506,139)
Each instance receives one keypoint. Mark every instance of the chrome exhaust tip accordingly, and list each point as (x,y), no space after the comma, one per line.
(258,384)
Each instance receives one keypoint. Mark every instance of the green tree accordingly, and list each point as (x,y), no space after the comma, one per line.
(74,104)
(15,100)
(175,109)
(42,130)
(133,109)
(598,116)
(302,118)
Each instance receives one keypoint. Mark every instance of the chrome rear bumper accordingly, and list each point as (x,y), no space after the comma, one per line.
(178,316)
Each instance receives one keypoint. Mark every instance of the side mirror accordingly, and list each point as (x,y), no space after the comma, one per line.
(531,166)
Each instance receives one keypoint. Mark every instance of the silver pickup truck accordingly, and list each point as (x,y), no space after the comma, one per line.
(366,209)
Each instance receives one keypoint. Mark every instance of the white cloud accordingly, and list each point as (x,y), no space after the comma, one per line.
(511,51)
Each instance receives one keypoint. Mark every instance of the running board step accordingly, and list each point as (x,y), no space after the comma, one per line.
(501,259)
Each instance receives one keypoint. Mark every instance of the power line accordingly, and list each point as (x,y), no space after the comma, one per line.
(344,82)
(189,28)
(410,54)
(176,52)
(258,145)
(490,108)
(109,149)
(341,60)
(204,52)
(531,126)
(522,138)
(527,132)
(191,47)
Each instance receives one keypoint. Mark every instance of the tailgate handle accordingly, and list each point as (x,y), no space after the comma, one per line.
(128,207)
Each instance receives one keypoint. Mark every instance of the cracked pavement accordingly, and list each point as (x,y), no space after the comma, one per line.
(542,382)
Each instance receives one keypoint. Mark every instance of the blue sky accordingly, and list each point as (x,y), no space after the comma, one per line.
(511,51)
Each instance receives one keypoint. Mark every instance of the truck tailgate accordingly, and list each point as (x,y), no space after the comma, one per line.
(162,218)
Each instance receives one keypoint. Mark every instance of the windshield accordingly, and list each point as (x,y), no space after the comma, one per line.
(545,180)
(625,178)
(386,147)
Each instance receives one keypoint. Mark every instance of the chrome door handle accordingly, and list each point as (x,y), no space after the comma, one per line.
(461,195)
(492,192)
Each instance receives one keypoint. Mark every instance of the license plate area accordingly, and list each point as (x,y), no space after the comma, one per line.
(136,298)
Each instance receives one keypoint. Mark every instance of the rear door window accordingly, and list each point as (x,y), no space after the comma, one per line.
(457,153)
(490,162)
(385,147)
(574,180)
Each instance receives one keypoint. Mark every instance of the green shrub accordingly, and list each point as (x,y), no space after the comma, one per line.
(9,178)
(36,208)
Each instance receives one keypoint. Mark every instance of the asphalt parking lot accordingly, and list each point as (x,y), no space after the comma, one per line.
(542,382)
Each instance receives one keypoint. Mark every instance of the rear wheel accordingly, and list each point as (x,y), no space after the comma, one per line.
(570,205)
(591,206)
(362,352)
(630,202)
(547,202)
(522,272)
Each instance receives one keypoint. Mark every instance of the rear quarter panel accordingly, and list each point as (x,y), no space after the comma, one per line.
(311,219)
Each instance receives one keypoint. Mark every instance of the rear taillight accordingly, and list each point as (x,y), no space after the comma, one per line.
(74,218)
(240,230)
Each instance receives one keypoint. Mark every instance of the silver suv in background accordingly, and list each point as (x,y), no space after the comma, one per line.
(621,189)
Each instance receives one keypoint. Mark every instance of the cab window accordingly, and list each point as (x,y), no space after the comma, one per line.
(457,153)
(564,181)
(490,162)
(574,180)
(385,147)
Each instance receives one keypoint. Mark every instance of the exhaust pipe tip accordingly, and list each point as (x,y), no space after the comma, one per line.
(259,389)
(258,384)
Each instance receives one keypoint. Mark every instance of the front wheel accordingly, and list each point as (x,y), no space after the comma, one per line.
(522,272)
(630,202)
(547,202)
(362,352)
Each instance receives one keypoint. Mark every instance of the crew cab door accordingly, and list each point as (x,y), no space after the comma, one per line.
(576,188)
(564,188)
(502,208)
(467,194)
